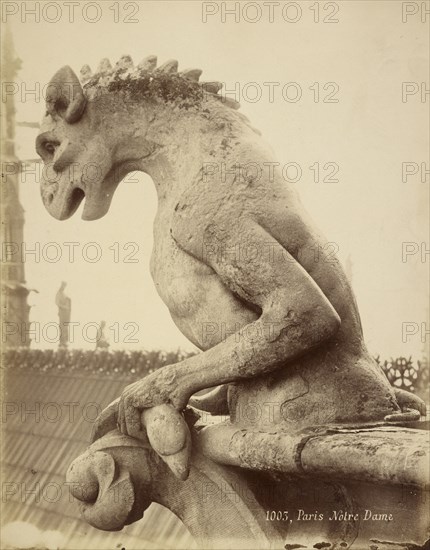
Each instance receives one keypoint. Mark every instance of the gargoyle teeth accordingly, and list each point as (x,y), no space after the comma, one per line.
(149,63)
(191,74)
(213,87)
(86,74)
(170,67)
(104,66)
(125,62)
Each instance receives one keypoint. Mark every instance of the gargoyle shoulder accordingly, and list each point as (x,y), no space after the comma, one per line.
(204,216)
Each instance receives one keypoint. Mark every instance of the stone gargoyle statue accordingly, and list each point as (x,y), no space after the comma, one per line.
(246,275)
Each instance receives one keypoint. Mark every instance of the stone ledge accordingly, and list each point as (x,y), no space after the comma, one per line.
(380,453)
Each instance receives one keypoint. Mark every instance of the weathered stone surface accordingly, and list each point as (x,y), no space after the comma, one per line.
(298,344)
(118,477)
(191,74)
(245,273)
(104,66)
(169,67)
(86,74)
(213,87)
(149,63)
(379,454)
(226,507)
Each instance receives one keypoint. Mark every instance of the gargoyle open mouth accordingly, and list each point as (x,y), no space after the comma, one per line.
(62,200)
(62,203)
(76,197)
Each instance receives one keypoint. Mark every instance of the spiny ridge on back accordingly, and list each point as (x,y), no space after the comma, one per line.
(124,70)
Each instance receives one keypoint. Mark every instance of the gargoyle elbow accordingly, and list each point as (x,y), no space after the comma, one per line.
(314,325)
(328,321)
(307,328)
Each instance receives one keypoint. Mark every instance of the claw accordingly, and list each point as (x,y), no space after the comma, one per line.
(214,402)
(407,401)
(166,431)
(106,421)
(407,415)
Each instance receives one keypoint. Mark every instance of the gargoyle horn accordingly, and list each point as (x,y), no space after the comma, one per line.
(125,62)
(191,74)
(213,87)
(104,66)
(86,74)
(148,63)
(170,67)
(65,96)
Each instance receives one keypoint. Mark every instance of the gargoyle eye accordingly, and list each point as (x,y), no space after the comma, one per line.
(46,145)
(49,147)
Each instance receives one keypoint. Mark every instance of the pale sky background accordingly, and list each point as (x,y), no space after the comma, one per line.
(369,133)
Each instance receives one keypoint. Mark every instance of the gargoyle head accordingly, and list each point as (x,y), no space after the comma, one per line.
(77,145)
(92,136)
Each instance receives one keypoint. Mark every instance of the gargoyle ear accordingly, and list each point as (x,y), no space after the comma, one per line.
(65,96)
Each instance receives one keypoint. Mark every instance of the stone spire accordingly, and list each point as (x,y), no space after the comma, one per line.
(14,306)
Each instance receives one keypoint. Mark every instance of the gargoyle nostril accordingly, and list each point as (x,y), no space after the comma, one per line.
(50,198)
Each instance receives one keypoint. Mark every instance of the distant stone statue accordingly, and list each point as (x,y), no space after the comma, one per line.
(102,342)
(245,273)
(64,304)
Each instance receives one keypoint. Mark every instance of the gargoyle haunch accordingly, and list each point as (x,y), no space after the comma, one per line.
(292,336)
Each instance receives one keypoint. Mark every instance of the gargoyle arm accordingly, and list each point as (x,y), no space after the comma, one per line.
(295,317)
(295,314)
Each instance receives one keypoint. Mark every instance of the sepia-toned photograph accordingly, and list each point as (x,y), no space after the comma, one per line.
(215,321)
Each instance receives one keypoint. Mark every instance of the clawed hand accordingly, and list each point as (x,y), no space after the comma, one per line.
(149,409)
